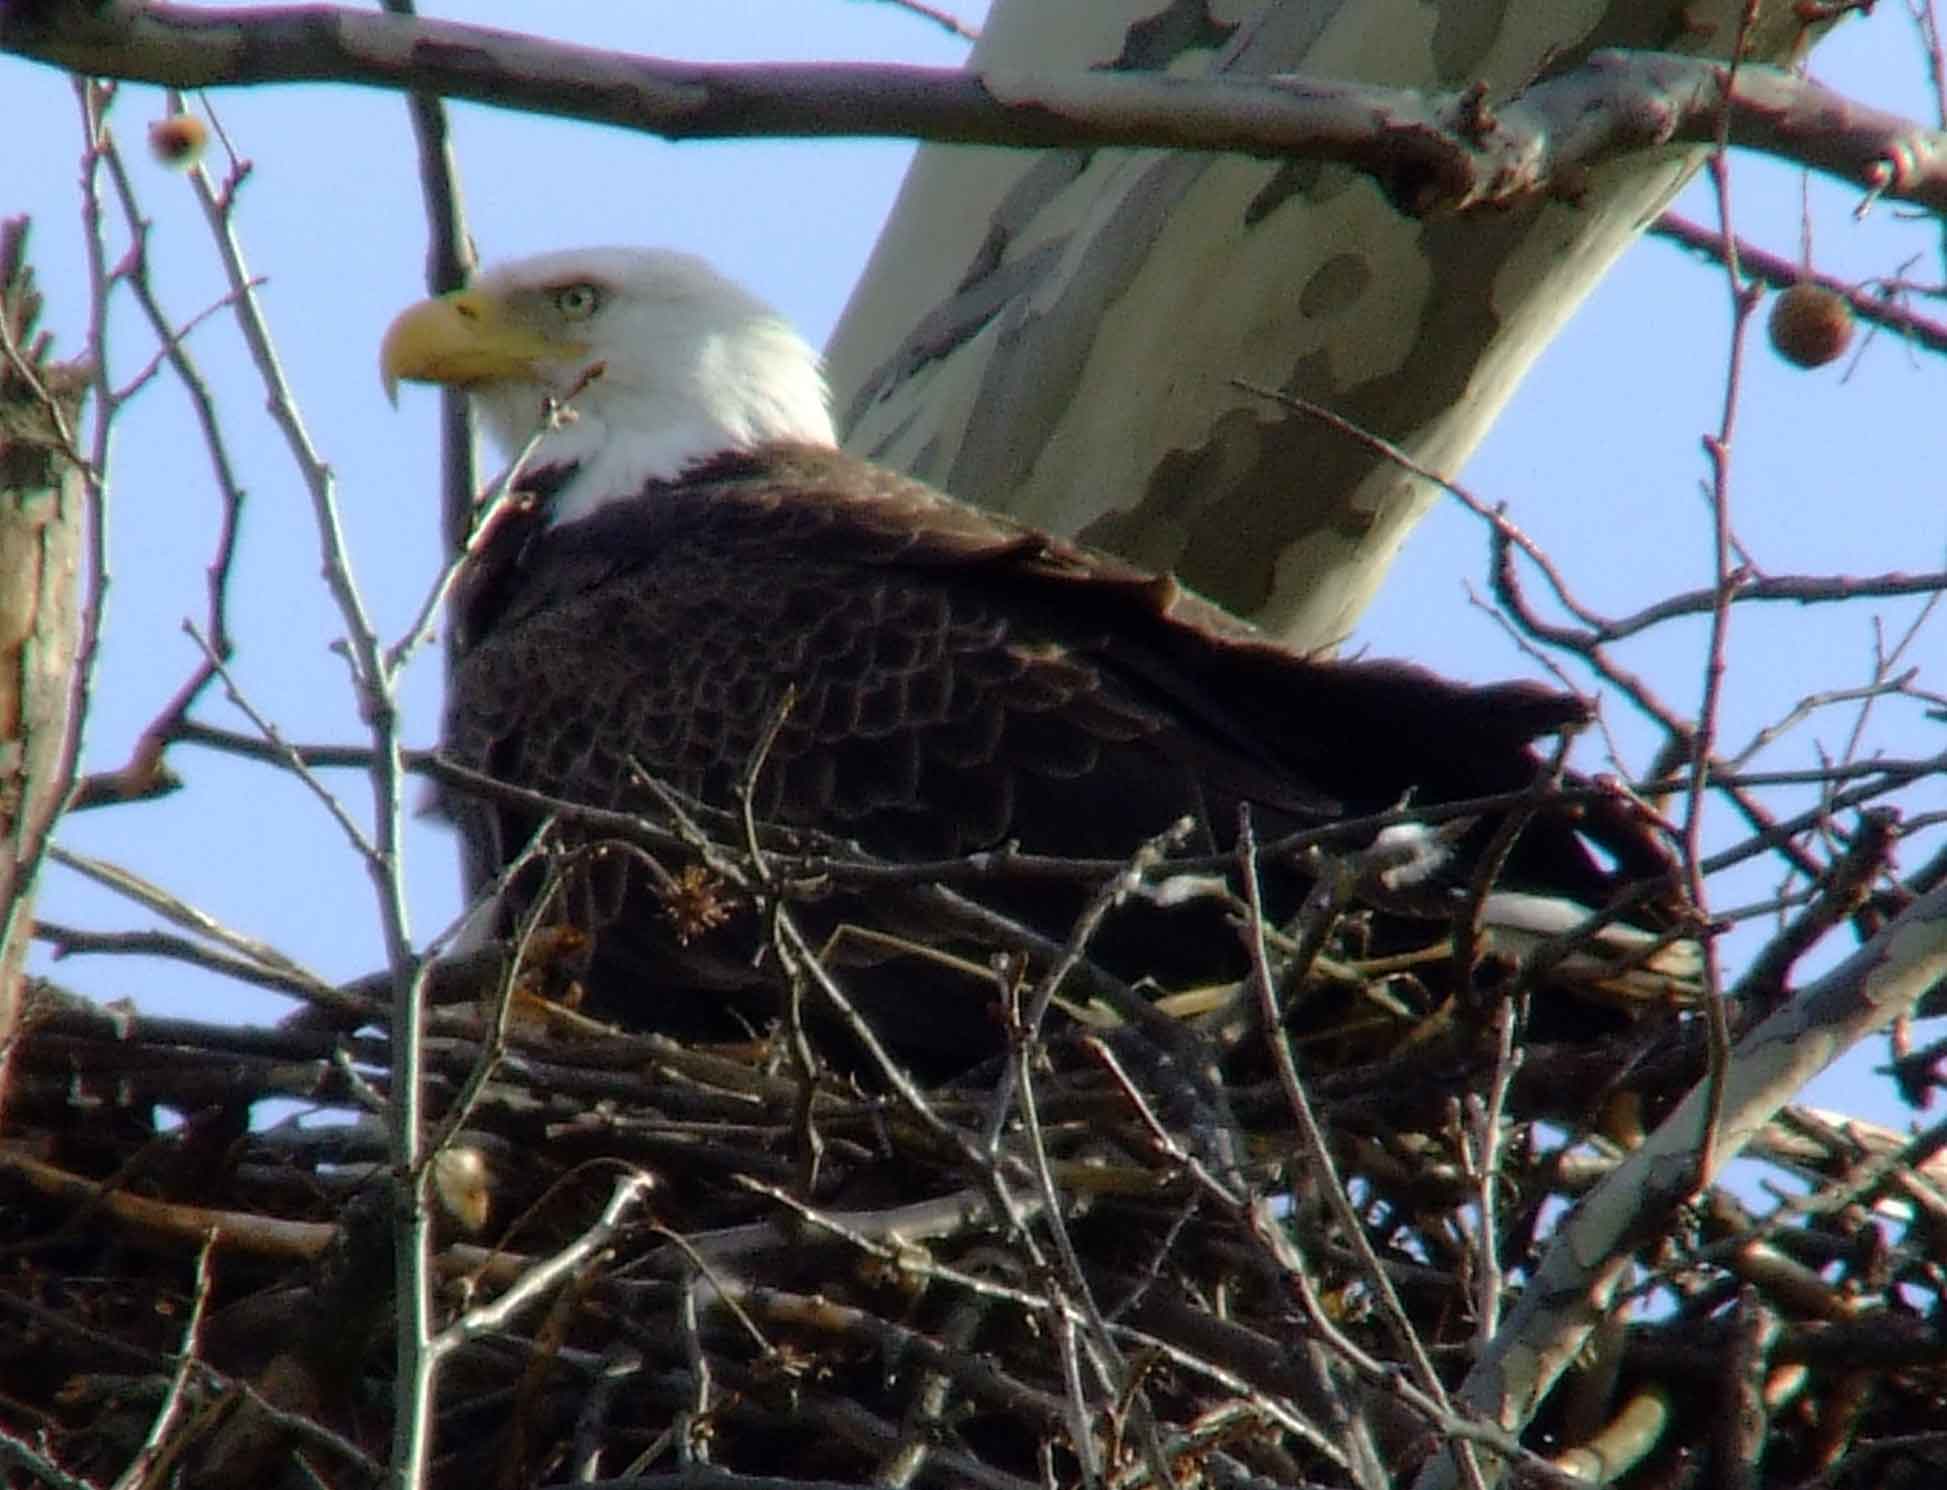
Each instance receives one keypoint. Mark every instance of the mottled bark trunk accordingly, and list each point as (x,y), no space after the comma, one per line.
(42,522)
(1056,335)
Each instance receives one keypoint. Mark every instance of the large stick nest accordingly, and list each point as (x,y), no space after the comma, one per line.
(1108,1254)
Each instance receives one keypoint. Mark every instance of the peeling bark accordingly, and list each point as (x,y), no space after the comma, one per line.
(42,524)
(1055,335)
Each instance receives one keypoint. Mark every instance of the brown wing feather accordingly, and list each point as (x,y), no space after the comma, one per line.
(912,693)
(959,681)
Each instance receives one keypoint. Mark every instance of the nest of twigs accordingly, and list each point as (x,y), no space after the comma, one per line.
(1114,1256)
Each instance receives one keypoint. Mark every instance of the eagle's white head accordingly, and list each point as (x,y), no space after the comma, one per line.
(685,365)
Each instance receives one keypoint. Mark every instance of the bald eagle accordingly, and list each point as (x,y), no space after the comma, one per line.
(695,545)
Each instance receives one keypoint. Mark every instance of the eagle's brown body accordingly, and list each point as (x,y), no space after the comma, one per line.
(959,682)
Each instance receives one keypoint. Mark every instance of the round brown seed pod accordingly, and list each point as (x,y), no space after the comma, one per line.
(178,140)
(1810,325)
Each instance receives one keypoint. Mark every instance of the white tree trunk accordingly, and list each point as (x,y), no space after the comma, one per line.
(1055,334)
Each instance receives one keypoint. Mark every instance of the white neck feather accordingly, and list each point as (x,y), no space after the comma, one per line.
(684,378)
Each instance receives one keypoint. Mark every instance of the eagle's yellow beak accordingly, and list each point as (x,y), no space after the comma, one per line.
(463,339)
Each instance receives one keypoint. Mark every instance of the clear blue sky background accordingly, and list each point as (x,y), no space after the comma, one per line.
(1599,456)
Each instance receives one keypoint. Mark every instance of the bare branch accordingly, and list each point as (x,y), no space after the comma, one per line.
(154,898)
(1585,1260)
(1443,154)
(939,15)
(630,1191)
(450,262)
(153,1457)
(1876,301)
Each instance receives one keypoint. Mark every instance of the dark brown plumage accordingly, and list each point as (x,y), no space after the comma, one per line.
(961,682)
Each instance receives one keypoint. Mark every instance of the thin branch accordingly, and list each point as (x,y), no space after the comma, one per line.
(155,1450)
(317,475)
(1799,589)
(485,516)
(25,1457)
(939,15)
(450,262)
(1703,740)
(1446,153)
(1873,301)
(174,348)
(631,1189)
(1318,1158)
(356,835)
(152,897)
(72,941)
(1483,1137)
(373,684)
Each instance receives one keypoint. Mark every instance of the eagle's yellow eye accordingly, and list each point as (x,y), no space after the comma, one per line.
(577,302)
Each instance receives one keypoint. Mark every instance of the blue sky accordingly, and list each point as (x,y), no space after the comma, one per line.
(1599,456)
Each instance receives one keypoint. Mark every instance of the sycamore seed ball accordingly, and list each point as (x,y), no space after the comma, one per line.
(178,140)
(1810,325)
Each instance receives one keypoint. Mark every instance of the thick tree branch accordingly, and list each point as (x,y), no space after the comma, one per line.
(46,494)
(1430,153)
(1577,1280)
